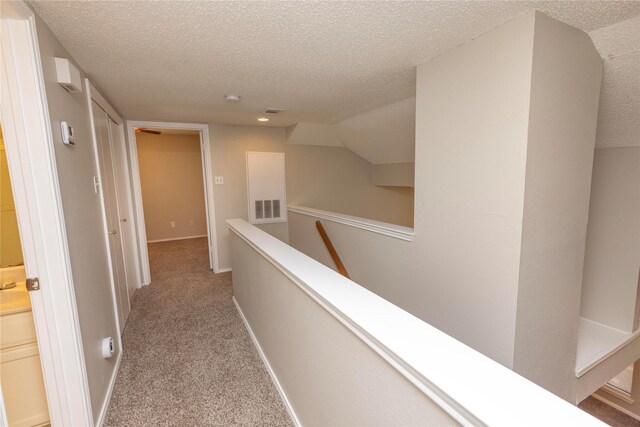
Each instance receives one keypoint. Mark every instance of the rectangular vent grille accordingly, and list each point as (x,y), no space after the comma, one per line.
(276,208)
(259,209)
(267,209)
(273,110)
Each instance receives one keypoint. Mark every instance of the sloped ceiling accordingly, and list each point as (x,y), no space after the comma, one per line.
(322,61)
(313,134)
(383,135)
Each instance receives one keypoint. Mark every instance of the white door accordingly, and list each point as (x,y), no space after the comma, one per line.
(121,174)
(108,187)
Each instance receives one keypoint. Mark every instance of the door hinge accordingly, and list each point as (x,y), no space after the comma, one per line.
(33,284)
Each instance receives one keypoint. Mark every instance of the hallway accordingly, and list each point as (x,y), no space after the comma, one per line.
(188,359)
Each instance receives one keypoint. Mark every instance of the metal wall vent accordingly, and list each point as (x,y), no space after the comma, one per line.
(276,208)
(273,110)
(259,209)
(266,209)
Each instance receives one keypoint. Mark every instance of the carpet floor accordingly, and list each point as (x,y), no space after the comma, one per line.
(188,359)
(607,414)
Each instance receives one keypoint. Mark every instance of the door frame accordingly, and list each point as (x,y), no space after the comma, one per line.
(29,146)
(207,176)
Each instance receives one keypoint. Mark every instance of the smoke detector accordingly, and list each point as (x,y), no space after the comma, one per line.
(232,97)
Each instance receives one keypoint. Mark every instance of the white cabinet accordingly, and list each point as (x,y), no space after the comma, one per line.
(21,372)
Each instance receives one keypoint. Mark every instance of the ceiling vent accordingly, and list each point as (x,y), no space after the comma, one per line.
(273,110)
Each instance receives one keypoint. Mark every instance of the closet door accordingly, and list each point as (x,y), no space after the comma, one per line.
(108,188)
(121,174)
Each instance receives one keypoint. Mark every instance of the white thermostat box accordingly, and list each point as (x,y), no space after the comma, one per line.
(68,137)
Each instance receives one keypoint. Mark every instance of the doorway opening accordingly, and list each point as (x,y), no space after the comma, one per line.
(172,187)
(20,367)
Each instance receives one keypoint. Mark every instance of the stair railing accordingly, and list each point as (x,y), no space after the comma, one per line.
(332,251)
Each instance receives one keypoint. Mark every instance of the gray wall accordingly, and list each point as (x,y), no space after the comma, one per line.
(471,141)
(612,259)
(565,89)
(228,147)
(84,222)
(329,178)
(338,180)
(172,185)
(323,367)
(395,174)
(504,141)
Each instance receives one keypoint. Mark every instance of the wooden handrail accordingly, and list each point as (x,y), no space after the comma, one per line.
(332,251)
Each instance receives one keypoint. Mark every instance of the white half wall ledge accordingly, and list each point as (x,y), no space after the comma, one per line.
(384,228)
(470,387)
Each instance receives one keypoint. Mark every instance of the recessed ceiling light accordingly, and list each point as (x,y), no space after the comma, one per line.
(232,97)
(263,119)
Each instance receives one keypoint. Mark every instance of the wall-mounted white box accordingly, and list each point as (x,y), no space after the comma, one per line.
(68,75)
(266,187)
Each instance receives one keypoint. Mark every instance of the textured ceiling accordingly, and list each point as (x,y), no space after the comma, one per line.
(619,110)
(322,61)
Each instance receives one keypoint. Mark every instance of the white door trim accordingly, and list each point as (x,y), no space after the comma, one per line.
(207,174)
(29,146)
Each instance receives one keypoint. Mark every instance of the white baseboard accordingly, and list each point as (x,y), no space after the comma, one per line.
(223,270)
(112,383)
(176,238)
(286,402)
(615,406)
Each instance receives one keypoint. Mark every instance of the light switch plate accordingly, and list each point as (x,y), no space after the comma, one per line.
(219,179)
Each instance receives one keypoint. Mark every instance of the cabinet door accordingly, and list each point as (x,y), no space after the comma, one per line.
(23,386)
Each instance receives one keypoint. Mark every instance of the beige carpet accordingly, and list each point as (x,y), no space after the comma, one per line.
(188,360)
(607,414)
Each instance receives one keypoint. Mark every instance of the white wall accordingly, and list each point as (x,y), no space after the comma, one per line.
(83,218)
(384,265)
(455,275)
(323,177)
(301,315)
(471,130)
(229,145)
(565,88)
(394,174)
(172,185)
(612,259)
(338,180)
(324,369)
(504,140)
